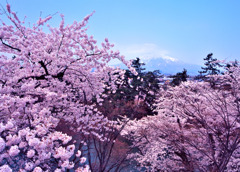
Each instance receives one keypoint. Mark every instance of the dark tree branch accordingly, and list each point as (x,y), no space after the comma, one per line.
(9,46)
(44,67)
(60,45)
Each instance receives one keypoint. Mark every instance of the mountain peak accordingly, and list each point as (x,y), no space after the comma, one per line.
(170,66)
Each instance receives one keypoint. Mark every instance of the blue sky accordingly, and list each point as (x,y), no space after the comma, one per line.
(186,30)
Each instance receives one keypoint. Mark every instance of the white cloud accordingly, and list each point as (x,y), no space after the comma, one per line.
(145,52)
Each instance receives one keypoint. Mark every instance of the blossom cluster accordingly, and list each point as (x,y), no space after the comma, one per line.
(47,78)
(196,129)
(34,149)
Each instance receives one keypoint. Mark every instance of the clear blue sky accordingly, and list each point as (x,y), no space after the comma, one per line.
(186,30)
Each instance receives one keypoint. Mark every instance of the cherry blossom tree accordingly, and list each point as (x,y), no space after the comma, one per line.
(196,129)
(108,155)
(37,148)
(49,77)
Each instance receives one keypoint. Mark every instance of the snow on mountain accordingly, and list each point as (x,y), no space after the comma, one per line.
(167,66)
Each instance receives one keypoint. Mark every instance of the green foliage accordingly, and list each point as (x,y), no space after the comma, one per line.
(138,65)
(212,67)
(179,77)
(135,94)
(231,64)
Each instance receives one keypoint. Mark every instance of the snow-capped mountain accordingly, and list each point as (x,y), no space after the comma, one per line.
(168,66)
